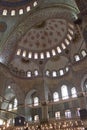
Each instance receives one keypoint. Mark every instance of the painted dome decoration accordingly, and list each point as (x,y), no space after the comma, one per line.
(48,38)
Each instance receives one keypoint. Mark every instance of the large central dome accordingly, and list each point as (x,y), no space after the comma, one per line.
(47,35)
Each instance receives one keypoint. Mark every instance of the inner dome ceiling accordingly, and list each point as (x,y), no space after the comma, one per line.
(47,34)
(40,40)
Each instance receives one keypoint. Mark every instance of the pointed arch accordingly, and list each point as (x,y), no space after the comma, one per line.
(55,96)
(64,92)
(73,92)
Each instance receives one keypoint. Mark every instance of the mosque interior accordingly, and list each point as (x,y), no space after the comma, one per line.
(43,65)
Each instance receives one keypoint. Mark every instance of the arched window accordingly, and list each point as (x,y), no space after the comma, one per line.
(28,8)
(59,49)
(42,55)
(77,112)
(30,55)
(54,74)
(20,11)
(69,37)
(77,58)
(12,12)
(36,118)
(4,12)
(29,74)
(57,115)
(18,52)
(64,92)
(68,114)
(35,3)
(83,53)
(47,73)
(36,72)
(70,31)
(67,41)
(24,53)
(15,104)
(36,101)
(36,56)
(61,72)
(67,69)
(63,46)
(48,54)
(10,107)
(55,97)
(53,52)
(73,92)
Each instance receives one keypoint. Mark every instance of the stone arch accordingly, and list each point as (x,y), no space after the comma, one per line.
(28,96)
(28,103)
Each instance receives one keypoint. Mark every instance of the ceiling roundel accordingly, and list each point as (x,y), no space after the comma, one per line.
(14,3)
